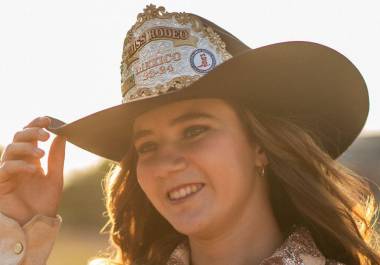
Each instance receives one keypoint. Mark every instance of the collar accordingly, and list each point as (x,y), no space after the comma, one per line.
(298,249)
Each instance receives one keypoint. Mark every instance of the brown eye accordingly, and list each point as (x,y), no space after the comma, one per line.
(194,131)
(146,147)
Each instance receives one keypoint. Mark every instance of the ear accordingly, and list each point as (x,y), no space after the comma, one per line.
(261,159)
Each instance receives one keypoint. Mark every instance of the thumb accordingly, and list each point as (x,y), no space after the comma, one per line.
(56,159)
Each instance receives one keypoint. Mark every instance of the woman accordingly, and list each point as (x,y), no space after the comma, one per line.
(226,155)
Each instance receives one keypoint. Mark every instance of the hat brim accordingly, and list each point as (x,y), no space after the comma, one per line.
(312,82)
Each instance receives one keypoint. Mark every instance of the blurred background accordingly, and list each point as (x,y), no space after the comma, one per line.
(62,59)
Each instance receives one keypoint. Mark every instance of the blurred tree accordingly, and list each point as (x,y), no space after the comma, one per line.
(363,157)
(82,204)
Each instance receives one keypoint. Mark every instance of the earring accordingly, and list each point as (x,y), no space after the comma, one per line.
(262,172)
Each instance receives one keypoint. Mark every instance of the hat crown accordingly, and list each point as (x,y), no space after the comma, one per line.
(165,52)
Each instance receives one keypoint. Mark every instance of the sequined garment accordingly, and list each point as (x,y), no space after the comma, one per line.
(298,249)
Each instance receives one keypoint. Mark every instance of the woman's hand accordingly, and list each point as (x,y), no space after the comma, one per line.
(25,189)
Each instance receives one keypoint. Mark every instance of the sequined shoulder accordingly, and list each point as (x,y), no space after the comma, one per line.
(180,255)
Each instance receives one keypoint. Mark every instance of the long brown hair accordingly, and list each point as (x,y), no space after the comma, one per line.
(307,188)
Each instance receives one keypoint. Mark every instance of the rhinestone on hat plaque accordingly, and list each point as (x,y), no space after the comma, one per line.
(164,52)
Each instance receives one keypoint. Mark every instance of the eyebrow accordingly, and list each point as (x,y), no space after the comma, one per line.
(182,118)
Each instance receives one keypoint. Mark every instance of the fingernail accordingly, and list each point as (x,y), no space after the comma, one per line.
(42,133)
(38,152)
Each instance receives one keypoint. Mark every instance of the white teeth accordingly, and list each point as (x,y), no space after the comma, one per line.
(176,194)
(184,191)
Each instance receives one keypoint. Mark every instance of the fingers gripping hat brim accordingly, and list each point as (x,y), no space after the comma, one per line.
(312,82)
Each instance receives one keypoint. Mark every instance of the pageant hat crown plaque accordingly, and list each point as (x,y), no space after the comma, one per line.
(165,52)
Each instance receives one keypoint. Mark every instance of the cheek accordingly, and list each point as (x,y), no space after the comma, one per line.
(144,179)
(224,158)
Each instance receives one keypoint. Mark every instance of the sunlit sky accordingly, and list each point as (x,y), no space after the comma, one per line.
(62,58)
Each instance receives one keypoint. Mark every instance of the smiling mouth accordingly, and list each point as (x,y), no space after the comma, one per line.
(185,191)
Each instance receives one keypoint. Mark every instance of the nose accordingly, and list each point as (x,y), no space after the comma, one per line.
(169,161)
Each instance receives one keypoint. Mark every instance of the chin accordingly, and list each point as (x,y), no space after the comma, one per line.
(191,226)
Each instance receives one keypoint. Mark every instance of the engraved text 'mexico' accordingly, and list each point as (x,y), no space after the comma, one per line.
(156,61)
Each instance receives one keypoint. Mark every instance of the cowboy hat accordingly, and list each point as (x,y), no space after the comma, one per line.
(177,56)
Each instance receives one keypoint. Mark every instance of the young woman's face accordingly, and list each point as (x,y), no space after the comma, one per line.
(196,165)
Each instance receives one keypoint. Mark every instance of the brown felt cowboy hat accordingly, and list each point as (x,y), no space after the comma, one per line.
(177,56)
